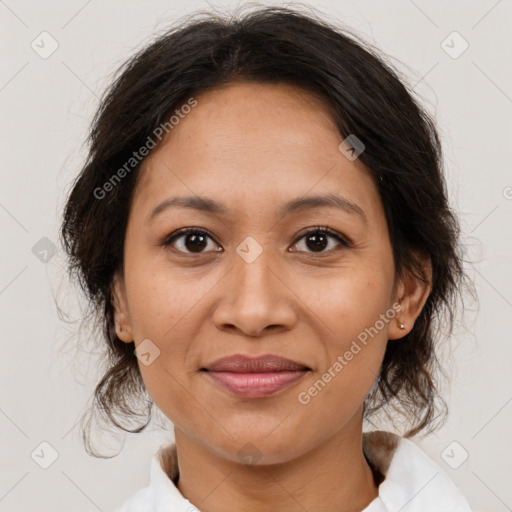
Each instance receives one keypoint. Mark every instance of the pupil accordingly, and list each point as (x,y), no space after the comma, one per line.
(319,245)
(195,242)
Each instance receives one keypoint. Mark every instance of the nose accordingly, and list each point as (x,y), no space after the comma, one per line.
(255,299)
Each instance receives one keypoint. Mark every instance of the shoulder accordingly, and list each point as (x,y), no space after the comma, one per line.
(161,493)
(141,501)
(413,482)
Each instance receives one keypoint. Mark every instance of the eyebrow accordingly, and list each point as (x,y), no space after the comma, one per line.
(298,205)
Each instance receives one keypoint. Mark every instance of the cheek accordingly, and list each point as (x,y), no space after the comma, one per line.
(353,313)
(164,307)
(355,342)
(162,300)
(347,300)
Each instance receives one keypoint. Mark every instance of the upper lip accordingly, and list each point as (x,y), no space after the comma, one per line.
(239,363)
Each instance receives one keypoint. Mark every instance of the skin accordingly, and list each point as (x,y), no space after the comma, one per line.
(253,147)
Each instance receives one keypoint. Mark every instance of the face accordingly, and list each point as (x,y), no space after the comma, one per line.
(259,278)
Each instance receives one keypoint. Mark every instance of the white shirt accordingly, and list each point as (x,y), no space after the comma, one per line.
(412,481)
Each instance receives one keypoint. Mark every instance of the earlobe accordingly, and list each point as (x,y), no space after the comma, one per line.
(121,315)
(412,295)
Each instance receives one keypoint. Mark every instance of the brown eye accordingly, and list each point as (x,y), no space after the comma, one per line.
(317,240)
(190,240)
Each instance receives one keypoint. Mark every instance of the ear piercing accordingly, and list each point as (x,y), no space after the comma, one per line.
(402,326)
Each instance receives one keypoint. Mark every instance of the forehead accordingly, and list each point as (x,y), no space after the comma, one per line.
(254,146)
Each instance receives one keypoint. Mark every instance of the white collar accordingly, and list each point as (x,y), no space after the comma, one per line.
(413,482)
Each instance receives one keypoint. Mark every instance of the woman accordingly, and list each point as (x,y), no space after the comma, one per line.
(262,226)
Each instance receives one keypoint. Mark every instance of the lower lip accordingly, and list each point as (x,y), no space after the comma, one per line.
(255,385)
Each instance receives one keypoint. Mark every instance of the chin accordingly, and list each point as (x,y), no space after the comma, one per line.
(259,448)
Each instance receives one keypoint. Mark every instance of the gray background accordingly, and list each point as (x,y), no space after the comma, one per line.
(46,106)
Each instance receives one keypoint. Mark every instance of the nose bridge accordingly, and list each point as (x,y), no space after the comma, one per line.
(254,273)
(257,298)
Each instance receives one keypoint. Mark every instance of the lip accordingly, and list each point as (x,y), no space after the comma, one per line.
(255,377)
(240,363)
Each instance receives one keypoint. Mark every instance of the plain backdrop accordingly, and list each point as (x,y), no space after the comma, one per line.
(47,103)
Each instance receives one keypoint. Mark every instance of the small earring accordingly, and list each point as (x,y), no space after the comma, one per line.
(402,326)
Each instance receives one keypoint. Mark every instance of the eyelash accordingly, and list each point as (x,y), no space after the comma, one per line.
(345,242)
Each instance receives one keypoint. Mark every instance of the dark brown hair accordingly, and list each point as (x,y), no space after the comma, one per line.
(367,98)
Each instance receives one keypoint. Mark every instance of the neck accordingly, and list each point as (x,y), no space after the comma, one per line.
(335,476)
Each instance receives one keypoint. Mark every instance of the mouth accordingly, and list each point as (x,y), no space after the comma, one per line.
(259,377)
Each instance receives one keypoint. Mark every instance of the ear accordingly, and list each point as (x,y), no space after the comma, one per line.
(411,293)
(121,314)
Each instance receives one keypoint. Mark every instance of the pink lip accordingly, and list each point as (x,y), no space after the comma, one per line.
(255,377)
(255,385)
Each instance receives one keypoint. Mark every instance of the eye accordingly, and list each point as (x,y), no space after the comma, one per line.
(317,239)
(194,240)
